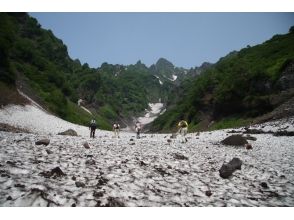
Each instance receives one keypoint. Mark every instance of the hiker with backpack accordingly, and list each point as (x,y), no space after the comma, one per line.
(116,128)
(92,128)
(138,128)
(183,130)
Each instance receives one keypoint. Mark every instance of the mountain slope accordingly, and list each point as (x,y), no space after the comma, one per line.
(239,87)
(37,63)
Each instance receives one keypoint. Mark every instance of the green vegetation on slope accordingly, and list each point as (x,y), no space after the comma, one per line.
(239,84)
(111,92)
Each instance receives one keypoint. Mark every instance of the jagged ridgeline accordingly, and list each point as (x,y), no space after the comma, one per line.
(38,63)
(238,88)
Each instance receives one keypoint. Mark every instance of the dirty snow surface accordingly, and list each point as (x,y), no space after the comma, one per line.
(32,118)
(150,171)
(152,113)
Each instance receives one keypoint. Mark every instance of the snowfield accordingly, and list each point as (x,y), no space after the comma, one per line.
(152,171)
(174,77)
(34,119)
(152,114)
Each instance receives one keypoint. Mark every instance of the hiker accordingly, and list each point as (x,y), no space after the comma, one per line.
(138,129)
(92,128)
(116,128)
(183,130)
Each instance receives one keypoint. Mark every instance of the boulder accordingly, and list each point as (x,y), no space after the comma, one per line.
(264,185)
(284,133)
(98,194)
(208,193)
(90,162)
(227,169)
(56,172)
(49,151)
(80,184)
(43,142)
(69,132)
(236,140)
(114,202)
(248,146)
(19,185)
(178,156)
(86,145)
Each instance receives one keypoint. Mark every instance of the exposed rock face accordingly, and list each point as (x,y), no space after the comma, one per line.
(43,142)
(227,169)
(287,79)
(69,132)
(236,140)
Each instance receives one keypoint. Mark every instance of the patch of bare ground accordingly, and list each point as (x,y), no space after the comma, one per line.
(10,95)
(9,128)
(285,110)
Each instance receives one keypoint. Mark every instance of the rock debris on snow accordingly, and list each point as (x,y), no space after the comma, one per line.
(69,132)
(149,173)
(42,142)
(235,139)
(227,169)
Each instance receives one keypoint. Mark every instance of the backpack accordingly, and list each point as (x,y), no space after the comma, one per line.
(93,123)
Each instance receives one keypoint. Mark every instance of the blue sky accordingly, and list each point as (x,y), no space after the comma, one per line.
(185,39)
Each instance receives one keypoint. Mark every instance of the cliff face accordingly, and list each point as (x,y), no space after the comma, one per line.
(287,77)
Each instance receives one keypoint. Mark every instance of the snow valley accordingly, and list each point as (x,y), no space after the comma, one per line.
(156,170)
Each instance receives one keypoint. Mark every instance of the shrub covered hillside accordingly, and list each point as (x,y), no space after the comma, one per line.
(38,63)
(239,87)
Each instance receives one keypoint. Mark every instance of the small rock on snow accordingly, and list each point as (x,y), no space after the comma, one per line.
(42,142)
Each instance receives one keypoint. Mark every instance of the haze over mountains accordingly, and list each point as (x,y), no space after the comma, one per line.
(240,87)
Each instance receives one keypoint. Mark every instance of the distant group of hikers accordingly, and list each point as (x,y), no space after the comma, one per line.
(182,129)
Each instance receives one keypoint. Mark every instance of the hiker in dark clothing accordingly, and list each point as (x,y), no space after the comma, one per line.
(92,128)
